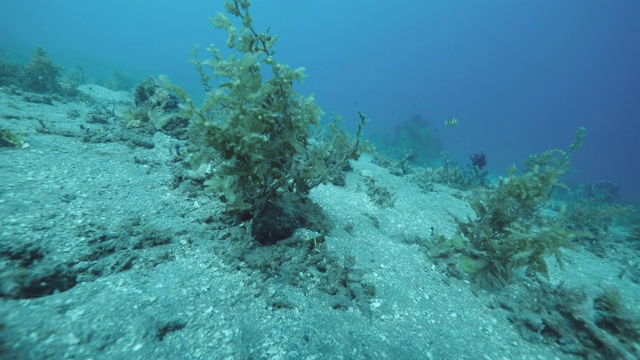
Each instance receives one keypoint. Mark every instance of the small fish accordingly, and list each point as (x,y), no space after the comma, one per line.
(451,122)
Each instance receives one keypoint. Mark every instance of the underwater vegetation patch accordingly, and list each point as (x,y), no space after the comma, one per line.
(9,139)
(509,232)
(40,75)
(450,173)
(596,326)
(257,131)
(596,217)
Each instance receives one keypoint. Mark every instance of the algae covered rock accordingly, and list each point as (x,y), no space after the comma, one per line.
(279,220)
(156,108)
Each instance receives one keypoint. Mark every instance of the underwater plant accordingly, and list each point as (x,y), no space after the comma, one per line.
(9,73)
(10,139)
(509,232)
(257,131)
(40,75)
(452,175)
(591,324)
(598,218)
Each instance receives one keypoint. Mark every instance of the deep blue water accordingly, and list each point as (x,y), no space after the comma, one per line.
(521,76)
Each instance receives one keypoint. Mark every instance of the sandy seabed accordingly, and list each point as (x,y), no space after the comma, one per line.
(109,250)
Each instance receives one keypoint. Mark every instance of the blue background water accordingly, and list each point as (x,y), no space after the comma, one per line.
(521,76)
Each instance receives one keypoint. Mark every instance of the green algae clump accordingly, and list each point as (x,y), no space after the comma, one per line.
(509,231)
(257,131)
